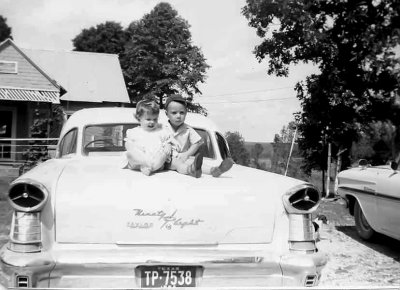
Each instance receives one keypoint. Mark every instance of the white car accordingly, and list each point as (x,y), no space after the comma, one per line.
(373,197)
(81,220)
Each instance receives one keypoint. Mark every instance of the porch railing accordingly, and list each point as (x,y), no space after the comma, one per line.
(18,151)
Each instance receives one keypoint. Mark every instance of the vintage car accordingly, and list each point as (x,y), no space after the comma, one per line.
(82,220)
(373,197)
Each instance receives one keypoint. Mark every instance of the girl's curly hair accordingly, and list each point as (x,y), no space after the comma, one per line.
(146,106)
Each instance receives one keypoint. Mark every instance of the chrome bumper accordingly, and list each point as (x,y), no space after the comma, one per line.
(43,272)
(35,266)
(303,268)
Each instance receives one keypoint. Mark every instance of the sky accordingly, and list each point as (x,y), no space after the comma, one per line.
(238,93)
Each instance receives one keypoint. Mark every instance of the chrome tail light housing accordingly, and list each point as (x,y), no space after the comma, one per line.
(299,202)
(26,232)
(27,199)
(27,195)
(301,233)
(301,199)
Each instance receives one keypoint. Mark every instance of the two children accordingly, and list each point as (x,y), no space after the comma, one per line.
(173,143)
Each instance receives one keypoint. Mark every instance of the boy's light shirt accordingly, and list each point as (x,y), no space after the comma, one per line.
(185,136)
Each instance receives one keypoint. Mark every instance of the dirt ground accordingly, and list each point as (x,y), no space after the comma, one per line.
(352,262)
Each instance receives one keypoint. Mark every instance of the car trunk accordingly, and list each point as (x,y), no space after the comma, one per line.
(98,204)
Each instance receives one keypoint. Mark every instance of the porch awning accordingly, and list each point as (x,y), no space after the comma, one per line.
(29,95)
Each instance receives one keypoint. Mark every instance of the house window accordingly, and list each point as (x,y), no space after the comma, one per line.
(8,67)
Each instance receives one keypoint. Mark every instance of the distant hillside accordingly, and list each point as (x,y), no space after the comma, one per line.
(269,150)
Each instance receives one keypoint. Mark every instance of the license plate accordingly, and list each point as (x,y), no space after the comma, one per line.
(167,276)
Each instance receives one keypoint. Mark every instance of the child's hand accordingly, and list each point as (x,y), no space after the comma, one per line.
(173,142)
(167,148)
(183,156)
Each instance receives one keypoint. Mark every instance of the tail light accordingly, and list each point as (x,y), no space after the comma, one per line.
(27,198)
(301,199)
(300,202)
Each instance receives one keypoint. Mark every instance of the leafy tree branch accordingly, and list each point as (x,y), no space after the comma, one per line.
(354,45)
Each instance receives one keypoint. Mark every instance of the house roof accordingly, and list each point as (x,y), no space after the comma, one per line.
(12,94)
(86,76)
(9,42)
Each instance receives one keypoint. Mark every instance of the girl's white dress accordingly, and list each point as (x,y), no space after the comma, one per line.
(155,144)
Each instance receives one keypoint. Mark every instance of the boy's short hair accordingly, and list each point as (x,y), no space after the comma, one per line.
(175,98)
(146,106)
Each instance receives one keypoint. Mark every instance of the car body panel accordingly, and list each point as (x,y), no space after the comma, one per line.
(363,190)
(376,188)
(388,202)
(194,211)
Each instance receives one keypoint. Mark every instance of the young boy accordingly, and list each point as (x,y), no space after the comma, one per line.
(189,141)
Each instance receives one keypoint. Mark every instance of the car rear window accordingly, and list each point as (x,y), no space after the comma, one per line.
(105,138)
(110,138)
(207,147)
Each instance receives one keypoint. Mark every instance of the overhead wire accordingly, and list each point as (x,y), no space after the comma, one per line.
(248,101)
(248,92)
(202,101)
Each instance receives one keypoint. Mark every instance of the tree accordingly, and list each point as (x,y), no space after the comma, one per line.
(160,58)
(352,43)
(237,148)
(108,37)
(375,143)
(5,30)
(43,127)
(255,153)
(286,134)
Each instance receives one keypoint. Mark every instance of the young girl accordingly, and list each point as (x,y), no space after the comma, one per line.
(148,146)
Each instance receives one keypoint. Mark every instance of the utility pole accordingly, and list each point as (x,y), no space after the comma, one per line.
(326,178)
(338,165)
(322,169)
(291,150)
(328,170)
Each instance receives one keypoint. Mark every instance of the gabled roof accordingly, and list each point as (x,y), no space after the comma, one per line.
(86,76)
(12,90)
(9,41)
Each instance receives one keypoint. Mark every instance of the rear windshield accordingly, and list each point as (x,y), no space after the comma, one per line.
(110,138)
(105,138)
